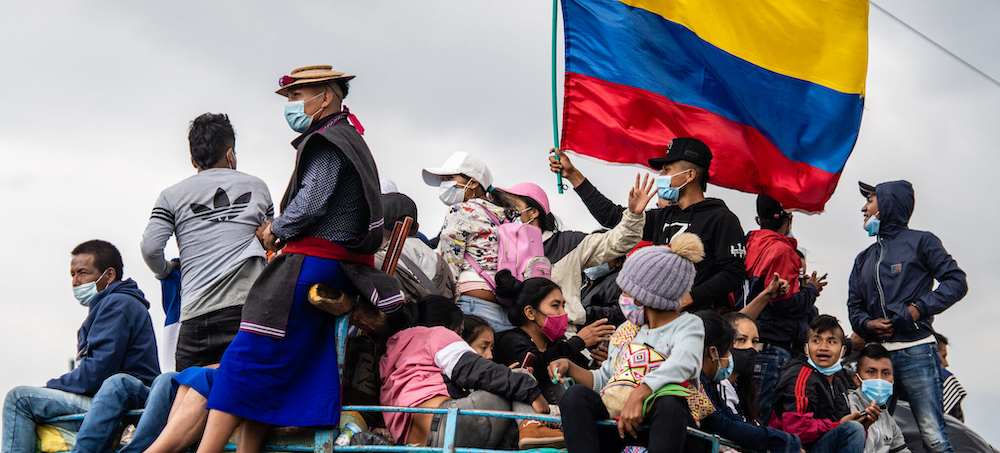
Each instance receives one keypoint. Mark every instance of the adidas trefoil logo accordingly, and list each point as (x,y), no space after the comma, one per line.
(222,209)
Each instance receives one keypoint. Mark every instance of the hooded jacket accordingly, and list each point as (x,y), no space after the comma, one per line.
(899,270)
(116,337)
(884,436)
(716,276)
(805,403)
(781,320)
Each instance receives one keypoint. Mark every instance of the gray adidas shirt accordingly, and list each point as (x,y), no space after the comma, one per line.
(213,215)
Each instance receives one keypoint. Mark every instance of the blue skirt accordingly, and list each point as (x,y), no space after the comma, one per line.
(199,379)
(291,381)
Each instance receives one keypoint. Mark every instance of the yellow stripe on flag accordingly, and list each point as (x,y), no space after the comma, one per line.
(821,41)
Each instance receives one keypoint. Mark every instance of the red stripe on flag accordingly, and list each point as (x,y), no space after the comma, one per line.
(616,123)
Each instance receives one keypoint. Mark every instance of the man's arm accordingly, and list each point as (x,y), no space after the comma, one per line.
(323,169)
(730,249)
(952,285)
(107,342)
(158,232)
(857,311)
(604,210)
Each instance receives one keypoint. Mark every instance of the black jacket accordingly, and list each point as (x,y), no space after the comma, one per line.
(512,345)
(475,372)
(600,300)
(805,403)
(721,272)
(561,243)
(899,270)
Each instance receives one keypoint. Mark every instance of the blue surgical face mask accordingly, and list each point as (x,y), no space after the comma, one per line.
(872,224)
(85,292)
(830,370)
(598,271)
(876,390)
(724,373)
(664,190)
(295,114)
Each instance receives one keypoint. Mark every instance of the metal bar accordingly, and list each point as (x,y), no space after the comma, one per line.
(323,442)
(450,429)
(78,417)
(340,333)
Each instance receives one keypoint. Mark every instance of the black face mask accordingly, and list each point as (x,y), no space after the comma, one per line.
(745,360)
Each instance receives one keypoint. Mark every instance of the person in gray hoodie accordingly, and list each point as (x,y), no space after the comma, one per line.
(874,380)
(892,299)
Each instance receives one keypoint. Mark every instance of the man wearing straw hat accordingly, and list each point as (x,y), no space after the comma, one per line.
(282,367)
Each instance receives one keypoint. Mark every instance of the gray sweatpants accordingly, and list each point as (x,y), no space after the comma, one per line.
(478,431)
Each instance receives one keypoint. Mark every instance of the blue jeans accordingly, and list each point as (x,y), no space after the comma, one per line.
(26,406)
(847,438)
(918,374)
(154,417)
(494,313)
(770,361)
(118,394)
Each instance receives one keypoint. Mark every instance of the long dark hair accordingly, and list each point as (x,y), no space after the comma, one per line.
(746,387)
(530,292)
(439,311)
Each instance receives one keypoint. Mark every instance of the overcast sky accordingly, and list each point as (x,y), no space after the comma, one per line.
(98,96)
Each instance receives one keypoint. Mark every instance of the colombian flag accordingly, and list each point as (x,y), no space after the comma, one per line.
(774,87)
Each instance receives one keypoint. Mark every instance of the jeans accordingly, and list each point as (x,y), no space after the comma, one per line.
(118,394)
(582,408)
(918,374)
(154,417)
(770,361)
(25,406)
(494,313)
(847,438)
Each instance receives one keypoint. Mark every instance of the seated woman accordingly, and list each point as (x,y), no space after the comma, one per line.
(718,362)
(739,390)
(468,239)
(571,252)
(537,309)
(662,344)
(431,366)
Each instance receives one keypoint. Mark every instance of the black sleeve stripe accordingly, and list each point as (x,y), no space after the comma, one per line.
(161,217)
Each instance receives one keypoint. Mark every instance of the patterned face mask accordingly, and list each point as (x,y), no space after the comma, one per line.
(633,312)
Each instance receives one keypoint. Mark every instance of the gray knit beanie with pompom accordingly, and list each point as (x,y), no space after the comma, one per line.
(659,276)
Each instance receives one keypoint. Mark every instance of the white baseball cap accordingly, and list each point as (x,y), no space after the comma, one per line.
(460,163)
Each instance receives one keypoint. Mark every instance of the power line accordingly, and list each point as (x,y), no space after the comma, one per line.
(939,46)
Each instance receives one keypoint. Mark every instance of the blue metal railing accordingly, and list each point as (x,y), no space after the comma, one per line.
(323,440)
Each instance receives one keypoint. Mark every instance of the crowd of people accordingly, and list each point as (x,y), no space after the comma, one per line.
(668,318)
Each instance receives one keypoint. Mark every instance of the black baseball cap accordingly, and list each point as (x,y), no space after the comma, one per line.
(769,208)
(867,190)
(685,148)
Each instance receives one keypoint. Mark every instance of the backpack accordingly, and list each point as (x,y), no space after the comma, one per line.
(520,250)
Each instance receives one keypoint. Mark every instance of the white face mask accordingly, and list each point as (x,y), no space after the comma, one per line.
(451,193)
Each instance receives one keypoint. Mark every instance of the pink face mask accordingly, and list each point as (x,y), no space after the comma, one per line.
(633,312)
(555,326)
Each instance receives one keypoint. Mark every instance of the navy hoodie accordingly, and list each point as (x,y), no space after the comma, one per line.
(899,269)
(116,337)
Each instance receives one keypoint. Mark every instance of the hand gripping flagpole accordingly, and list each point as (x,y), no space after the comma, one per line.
(555,111)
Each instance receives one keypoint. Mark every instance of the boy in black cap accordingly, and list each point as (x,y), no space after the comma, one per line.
(683,180)
(783,322)
(421,271)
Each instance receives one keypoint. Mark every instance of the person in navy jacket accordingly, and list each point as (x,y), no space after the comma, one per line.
(116,339)
(892,300)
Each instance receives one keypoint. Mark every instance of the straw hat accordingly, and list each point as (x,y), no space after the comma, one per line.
(309,75)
